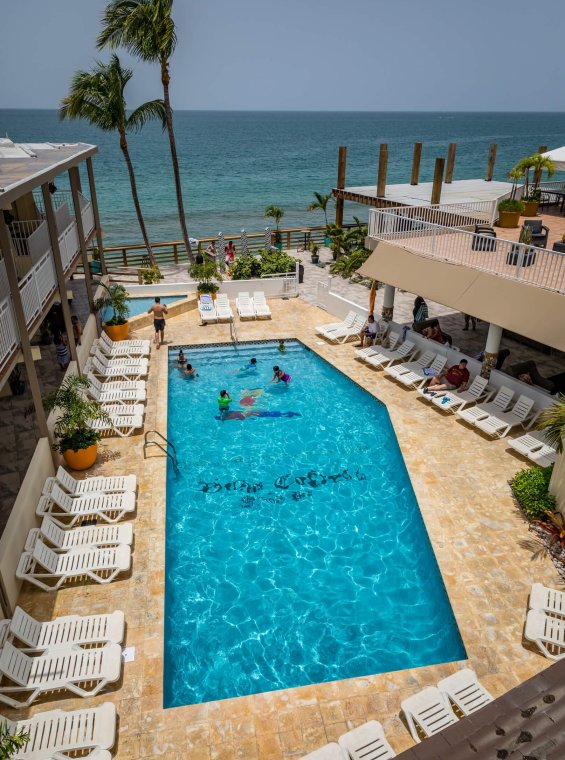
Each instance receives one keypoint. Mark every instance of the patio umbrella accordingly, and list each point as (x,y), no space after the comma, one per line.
(243,242)
(557,155)
(372,297)
(267,238)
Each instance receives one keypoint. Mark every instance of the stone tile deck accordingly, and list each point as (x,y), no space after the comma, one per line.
(460,480)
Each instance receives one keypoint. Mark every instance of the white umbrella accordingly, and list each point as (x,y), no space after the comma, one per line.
(557,155)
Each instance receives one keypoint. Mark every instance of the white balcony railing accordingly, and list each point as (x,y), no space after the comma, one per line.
(525,263)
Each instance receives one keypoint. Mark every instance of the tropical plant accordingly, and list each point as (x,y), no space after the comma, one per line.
(552,422)
(149,276)
(246,267)
(276,262)
(145,28)
(531,489)
(509,204)
(10,743)
(205,274)
(276,214)
(117,299)
(348,264)
(76,412)
(515,175)
(525,235)
(554,525)
(98,97)
(321,204)
(538,163)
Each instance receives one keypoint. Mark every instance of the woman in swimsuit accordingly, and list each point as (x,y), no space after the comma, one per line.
(279,375)
(181,358)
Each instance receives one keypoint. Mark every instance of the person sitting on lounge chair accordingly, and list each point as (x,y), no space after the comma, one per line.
(369,333)
(434,333)
(455,378)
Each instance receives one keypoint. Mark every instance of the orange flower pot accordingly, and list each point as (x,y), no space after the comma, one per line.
(117,332)
(81,459)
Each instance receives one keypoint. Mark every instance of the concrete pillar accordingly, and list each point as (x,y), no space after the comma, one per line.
(94,201)
(388,303)
(74,179)
(491,349)
(22,329)
(61,282)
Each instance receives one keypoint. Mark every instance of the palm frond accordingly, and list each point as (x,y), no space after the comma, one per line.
(152,110)
(145,28)
(552,422)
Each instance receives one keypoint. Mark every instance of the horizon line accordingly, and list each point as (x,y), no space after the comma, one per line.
(294,110)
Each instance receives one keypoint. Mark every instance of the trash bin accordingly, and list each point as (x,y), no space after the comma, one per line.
(301,273)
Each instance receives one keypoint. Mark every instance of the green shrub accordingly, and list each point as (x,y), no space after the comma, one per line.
(276,262)
(531,489)
(511,205)
(150,275)
(246,268)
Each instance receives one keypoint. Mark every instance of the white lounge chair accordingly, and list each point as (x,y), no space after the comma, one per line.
(386,357)
(367,742)
(131,342)
(450,401)
(66,632)
(365,353)
(417,378)
(544,456)
(244,306)
(331,751)
(547,599)
(108,396)
(49,570)
(332,326)
(223,308)
(84,672)
(430,711)
(123,420)
(120,370)
(4,631)
(527,443)
(465,691)
(424,360)
(207,308)
(500,403)
(499,424)
(548,633)
(342,335)
(89,535)
(120,349)
(53,735)
(116,385)
(139,363)
(260,304)
(95,484)
(67,510)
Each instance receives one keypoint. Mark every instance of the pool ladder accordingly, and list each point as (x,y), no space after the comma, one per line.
(171,454)
(233,332)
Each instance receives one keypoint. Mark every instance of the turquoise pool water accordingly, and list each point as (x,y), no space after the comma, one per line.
(141,305)
(296,552)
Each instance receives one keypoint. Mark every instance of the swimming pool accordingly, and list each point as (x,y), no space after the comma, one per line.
(296,552)
(141,305)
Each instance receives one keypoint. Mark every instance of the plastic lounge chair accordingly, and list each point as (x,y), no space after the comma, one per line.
(260,304)
(62,670)
(132,343)
(450,401)
(140,363)
(367,742)
(544,456)
(95,484)
(387,357)
(332,326)
(119,349)
(547,599)
(499,424)
(121,409)
(223,308)
(548,633)
(116,385)
(121,370)
(4,631)
(120,424)
(67,510)
(418,364)
(465,691)
(418,378)
(528,443)
(56,733)
(89,535)
(108,396)
(500,403)
(331,751)
(207,309)
(342,335)
(365,353)
(244,306)
(68,631)
(101,565)
(428,710)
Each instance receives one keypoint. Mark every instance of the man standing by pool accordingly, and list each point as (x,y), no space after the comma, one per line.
(159,310)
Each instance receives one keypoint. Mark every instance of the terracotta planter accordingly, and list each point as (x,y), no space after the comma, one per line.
(81,459)
(508,219)
(531,208)
(117,332)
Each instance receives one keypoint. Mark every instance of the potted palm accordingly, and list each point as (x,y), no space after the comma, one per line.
(77,441)
(276,214)
(532,193)
(321,204)
(205,274)
(116,300)
(509,210)
(315,253)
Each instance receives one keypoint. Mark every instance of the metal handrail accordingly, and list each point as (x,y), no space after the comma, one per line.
(233,332)
(172,457)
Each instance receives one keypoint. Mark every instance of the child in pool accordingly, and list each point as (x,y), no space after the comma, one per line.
(224,401)
(189,371)
(281,347)
(251,364)
(181,358)
(279,375)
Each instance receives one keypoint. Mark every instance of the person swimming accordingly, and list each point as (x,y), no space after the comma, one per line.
(280,376)
(251,364)
(189,371)
(181,359)
(224,401)
(281,347)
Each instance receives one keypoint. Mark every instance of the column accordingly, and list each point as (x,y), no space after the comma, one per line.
(388,303)
(491,349)
(35,389)
(61,282)
(74,179)
(94,201)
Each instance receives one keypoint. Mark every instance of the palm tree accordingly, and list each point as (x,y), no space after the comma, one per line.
(276,214)
(321,203)
(538,163)
(146,29)
(98,97)
(552,421)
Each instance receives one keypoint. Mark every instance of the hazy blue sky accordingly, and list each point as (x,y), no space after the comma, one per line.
(309,54)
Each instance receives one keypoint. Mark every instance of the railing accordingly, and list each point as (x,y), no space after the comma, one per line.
(9,338)
(447,215)
(65,198)
(289,282)
(517,261)
(37,286)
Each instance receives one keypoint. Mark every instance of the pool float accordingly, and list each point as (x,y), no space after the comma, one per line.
(252,413)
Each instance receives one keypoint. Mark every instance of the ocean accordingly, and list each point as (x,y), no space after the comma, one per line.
(234,164)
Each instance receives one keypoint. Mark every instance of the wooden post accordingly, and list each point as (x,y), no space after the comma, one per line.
(94,201)
(490,162)
(288,239)
(438,180)
(383,162)
(341,168)
(542,149)
(450,163)
(416,163)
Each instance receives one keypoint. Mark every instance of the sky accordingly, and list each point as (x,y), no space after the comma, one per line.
(314,55)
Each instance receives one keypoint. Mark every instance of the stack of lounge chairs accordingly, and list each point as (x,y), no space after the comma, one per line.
(247,306)
(341,332)
(534,447)
(545,621)
(252,307)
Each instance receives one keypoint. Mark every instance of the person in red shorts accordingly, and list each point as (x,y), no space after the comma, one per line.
(455,378)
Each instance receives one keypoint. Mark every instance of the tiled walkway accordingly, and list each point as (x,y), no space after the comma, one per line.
(460,480)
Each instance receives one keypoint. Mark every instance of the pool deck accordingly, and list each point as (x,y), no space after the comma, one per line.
(460,479)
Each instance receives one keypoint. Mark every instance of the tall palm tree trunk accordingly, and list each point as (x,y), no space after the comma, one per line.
(165,79)
(125,151)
